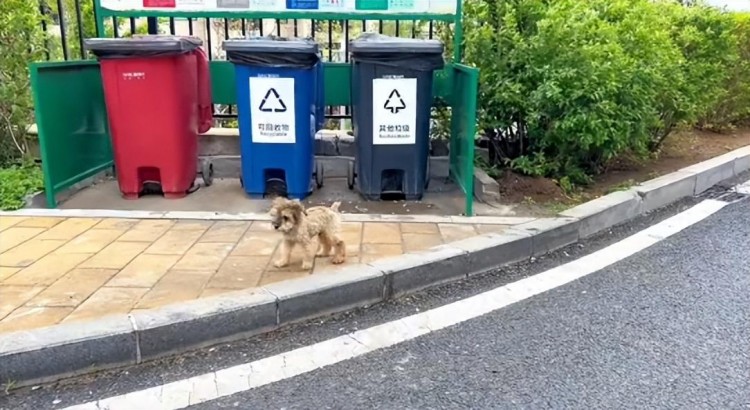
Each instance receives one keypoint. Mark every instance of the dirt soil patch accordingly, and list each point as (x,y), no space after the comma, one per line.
(680,150)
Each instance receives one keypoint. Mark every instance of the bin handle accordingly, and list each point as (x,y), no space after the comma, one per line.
(205,105)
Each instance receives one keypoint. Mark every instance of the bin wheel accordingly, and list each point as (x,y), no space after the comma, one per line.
(207,173)
(427,175)
(350,175)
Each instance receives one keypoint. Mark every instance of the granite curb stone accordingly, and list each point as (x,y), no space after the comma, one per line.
(605,212)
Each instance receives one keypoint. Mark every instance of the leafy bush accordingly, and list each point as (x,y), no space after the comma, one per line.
(16,182)
(732,106)
(568,85)
(22,41)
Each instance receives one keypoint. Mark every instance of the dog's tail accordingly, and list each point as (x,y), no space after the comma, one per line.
(335,206)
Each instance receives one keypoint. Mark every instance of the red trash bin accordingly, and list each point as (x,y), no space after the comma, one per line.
(158,95)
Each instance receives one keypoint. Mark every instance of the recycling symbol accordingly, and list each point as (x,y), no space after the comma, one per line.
(394,102)
(276,103)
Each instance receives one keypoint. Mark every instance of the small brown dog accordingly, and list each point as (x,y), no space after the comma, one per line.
(301,226)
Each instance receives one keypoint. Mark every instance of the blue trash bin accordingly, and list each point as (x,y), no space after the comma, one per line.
(321,99)
(277,87)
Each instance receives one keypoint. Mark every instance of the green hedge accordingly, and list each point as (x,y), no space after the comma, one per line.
(568,85)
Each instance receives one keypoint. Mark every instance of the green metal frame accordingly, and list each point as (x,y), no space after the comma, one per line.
(72,123)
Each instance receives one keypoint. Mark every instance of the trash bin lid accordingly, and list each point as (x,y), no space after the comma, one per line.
(146,44)
(271,45)
(380,43)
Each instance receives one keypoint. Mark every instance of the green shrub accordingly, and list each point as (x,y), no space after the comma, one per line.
(732,106)
(16,182)
(568,85)
(22,41)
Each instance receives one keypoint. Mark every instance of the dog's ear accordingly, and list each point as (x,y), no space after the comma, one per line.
(297,209)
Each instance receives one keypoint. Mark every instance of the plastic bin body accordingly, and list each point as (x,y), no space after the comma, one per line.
(157,106)
(288,159)
(395,165)
(320,98)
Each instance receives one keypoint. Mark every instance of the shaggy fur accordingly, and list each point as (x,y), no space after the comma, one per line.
(301,227)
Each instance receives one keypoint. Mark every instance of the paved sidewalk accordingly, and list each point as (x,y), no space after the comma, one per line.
(55,270)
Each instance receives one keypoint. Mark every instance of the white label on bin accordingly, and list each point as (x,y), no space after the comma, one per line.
(272,110)
(394,111)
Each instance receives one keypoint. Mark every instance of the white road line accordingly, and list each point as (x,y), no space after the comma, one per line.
(222,383)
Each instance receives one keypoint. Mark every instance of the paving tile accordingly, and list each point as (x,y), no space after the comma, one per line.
(47,270)
(423,228)
(147,230)
(26,318)
(323,264)
(116,223)
(257,244)
(277,275)
(291,271)
(13,297)
(239,272)
(204,256)
(6,272)
(175,286)
(91,241)
(225,231)
(107,301)
(381,232)
(353,240)
(29,252)
(208,292)
(116,255)
(484,228)
(40,222)
(189,225)
(12,237)
(455,232)
(261,226)
(371,252)
(73,288)
(351,227)
(69,228)
(8,221)
(175,242)
(418,241)
(144,271)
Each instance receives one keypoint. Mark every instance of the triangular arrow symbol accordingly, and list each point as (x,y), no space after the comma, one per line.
(394,102)
(277,103)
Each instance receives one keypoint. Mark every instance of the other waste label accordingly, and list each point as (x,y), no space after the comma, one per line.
(272,110)
(394,111)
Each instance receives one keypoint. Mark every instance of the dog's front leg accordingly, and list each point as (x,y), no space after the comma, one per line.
(285,252)
(311,248)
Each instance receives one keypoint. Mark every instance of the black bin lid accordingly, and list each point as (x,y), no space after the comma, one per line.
(271,45)
(380,43)
(150,43)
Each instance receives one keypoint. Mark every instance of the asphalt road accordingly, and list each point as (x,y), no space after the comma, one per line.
(666,328)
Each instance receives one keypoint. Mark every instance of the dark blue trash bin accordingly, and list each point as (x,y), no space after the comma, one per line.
(391,101)
(277,91)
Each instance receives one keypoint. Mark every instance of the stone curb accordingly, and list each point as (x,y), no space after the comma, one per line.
(51,353)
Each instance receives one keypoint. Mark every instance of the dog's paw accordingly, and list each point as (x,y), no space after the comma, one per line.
(337,260)
(279,264)
(307,265)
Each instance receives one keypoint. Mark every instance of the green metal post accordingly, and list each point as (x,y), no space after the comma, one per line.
(458,35)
